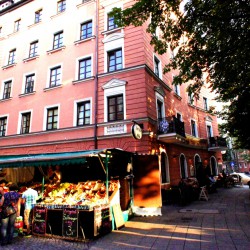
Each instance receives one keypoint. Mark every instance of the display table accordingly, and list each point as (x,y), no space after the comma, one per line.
(71,222)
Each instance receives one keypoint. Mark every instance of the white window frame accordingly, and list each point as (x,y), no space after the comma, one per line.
(20,120)
(196,128)
(205,102)
(75,110)
(108,9)
(77,66)
(110,46)
(177,89)
(161,99)
(2,86)
(7,116)
(45,113)
(24,80)
(112,88)
(209,124)
(191,98)
(89,19)
(28,52)
(49,72)
(159,64)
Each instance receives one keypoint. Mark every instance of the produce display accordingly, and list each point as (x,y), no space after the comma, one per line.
(83,193)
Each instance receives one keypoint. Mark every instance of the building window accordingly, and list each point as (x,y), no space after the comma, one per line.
(205,103)
(83,113)
(7,90)
(178,116)
(33,49)
(213,168)
(52,118)
(193,128)
(115,108)
(29,84)
(160,109)
(58,40)
(209,131)
(114,60)
(164,168)
(55,77)
(86,30)
(61,6)
(1,29)
(183,166)
(157,66)
(12,57)
(17,24)
(3,125)
(84,68)
(111,22)
(25,123)
(191,98)
(177,89)
(38,16)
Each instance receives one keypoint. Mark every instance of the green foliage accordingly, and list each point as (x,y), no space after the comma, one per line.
(211,36)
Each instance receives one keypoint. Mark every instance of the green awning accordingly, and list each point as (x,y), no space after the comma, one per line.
(50,159)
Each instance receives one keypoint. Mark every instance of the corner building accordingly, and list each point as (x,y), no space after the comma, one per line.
(70,80)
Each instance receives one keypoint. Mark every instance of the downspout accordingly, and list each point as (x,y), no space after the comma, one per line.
(96,74)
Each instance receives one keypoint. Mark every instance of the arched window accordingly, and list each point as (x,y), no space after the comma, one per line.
(197,163)
(198,167)
(213,166)
(183,166)
(164,168)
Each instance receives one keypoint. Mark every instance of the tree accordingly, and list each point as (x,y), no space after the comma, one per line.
(211,40)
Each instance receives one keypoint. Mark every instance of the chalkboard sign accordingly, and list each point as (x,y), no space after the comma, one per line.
(39,221)
(70,222)
(102,220)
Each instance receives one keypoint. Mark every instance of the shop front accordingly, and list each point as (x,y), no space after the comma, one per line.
(86,202)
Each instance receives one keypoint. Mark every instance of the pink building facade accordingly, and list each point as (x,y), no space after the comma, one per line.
(70,80)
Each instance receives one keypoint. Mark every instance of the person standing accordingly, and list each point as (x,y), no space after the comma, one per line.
(7,223)
(3,189)
(29,198)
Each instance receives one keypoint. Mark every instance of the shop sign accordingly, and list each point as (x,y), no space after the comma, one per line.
(102,220)
(136,131)
(39,222)
(70,222)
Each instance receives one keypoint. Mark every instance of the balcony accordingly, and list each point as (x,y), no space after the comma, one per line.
(217,144)
(171,130)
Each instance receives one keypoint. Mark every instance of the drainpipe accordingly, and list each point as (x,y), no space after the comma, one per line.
(96,74)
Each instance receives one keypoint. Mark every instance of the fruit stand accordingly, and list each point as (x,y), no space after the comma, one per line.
(75,211)
(81,206)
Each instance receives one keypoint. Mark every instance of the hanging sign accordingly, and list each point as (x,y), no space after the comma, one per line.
(136,131)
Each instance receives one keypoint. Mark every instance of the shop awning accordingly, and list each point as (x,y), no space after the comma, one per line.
(51,159)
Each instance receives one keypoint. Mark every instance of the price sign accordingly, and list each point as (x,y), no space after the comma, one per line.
(39,222)
(102,220)
(70,222)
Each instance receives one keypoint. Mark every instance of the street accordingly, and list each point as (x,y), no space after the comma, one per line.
(222,222)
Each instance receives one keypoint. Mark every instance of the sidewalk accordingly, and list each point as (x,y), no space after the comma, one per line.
(222,222)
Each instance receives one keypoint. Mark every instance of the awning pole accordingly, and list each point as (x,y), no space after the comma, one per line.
(42,186)
(107,177)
